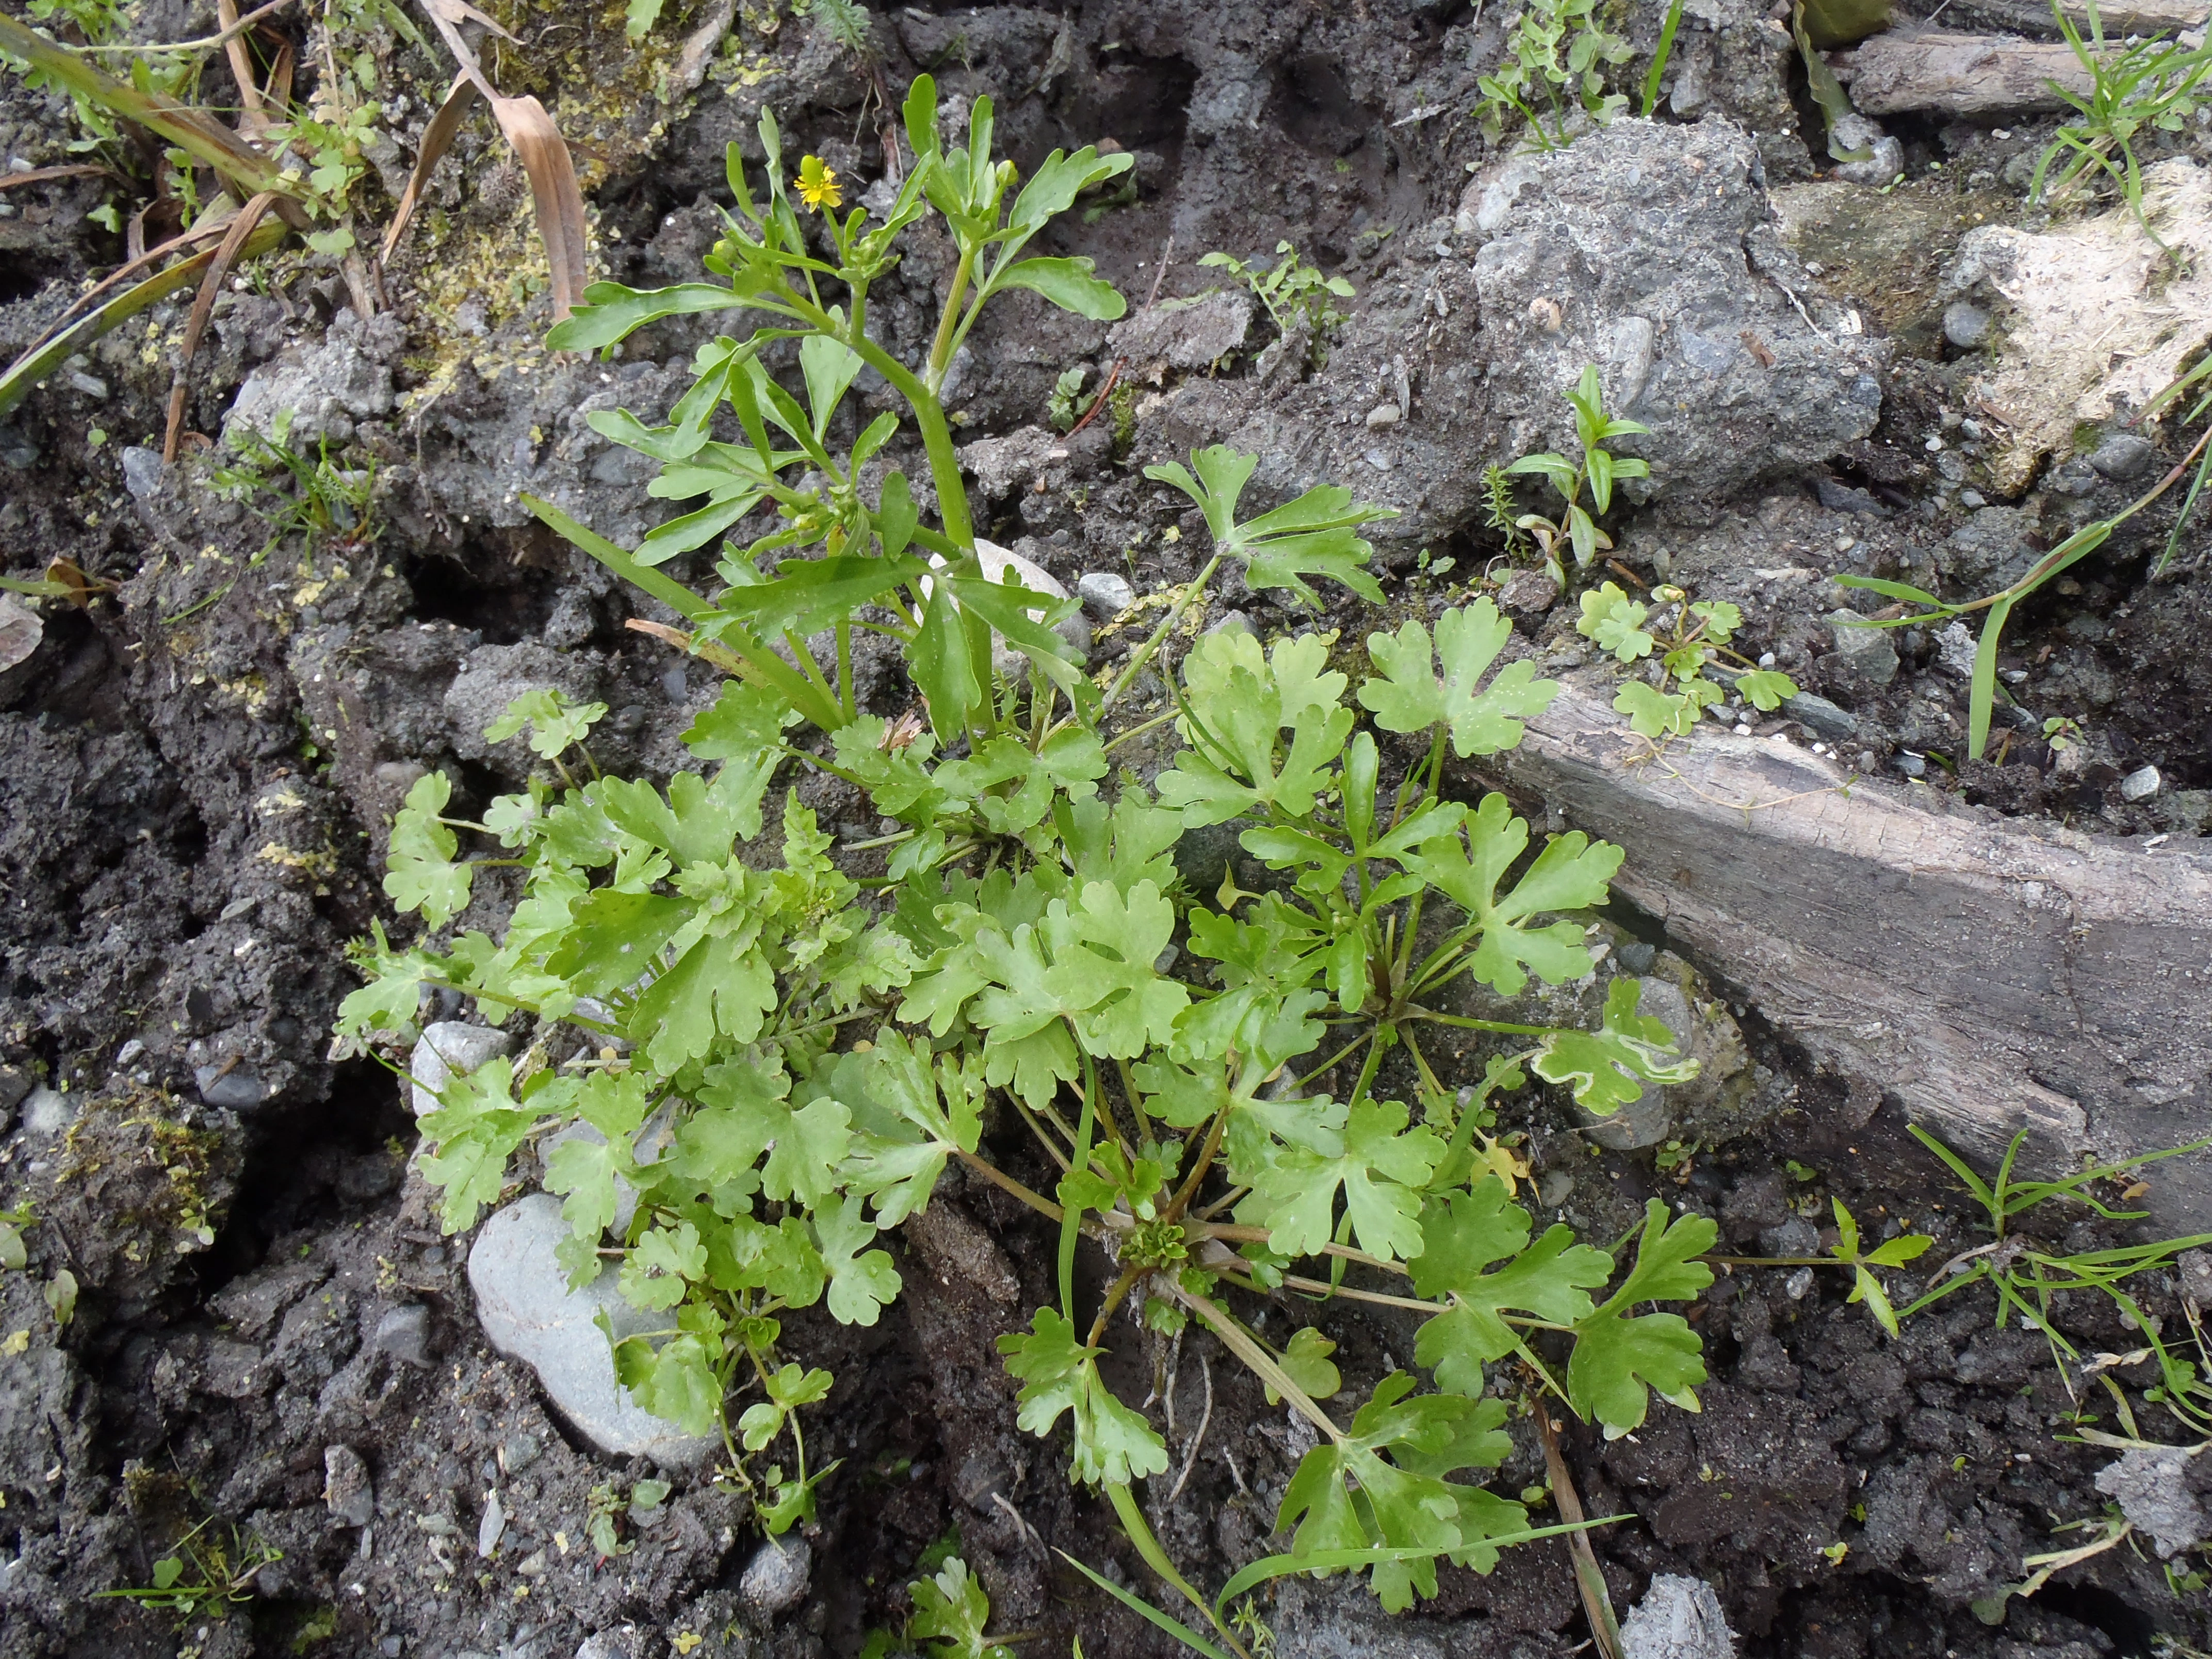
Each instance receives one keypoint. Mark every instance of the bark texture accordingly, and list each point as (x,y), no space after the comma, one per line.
(1991,975)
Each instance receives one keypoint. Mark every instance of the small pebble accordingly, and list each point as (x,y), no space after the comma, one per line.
(1972,499)
(1105,594)
(1798,1283)
(490,1528)
(2139,785)
(1383,415)
(1912,765)
(1966,325)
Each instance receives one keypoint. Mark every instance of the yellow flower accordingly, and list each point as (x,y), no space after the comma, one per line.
(818,185)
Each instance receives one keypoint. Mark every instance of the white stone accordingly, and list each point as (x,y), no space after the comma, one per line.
(528,1313)
(776,1577)
(448,1048)
(1678,1617)
(1105,594)
(2140,784)
(47,1112)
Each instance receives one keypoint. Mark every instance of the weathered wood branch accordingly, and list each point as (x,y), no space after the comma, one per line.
(1958,74)
(1992,975)
(2120,19)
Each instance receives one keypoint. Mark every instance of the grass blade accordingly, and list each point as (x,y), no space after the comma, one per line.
(1589,1578)
(42,360)
(437,138)
(190,130)
(1659,59)
(1145,1610)
(1982,692)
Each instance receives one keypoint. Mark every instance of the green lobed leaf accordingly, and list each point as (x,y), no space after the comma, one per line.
(1411,695)
(420,871)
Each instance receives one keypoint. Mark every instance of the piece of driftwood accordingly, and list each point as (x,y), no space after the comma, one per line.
(1992,975)
(1958,74)
(2120,20)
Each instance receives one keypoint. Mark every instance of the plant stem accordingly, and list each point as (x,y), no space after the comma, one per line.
(991,1172)
(1143,653)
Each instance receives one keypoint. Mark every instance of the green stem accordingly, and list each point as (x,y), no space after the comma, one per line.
(1249,1349)
(1143,653)
(948,324)
(1071,1221)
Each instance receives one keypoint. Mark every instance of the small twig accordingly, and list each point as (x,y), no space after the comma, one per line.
(1022,1527)
(1099,403)
(1605,1629)
(230,32)
(1204,1421)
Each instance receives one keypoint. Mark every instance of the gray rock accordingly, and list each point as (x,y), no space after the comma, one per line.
(1820,717)
(624,1641)
(496,675)
(492,1526)
(1527,593)
(1627,249)
(233,1087)
(343,378)
(1105,594)
(1678,1617)
(1003,464)
(1844,498)
(144,475)
(1193,333)
(348,1490)
(1966,325)
(1955,647)
(403,1335)
(446,1048)
(776,1577)
(1232,622)
(1383,415)
(1991,550)
(17,452)
(2072,477)
(528,1313)
(1871,651)
(2140,784)
(1912,765)
(1854,131)
(2122,455)
(47,1112)
(2154,1490)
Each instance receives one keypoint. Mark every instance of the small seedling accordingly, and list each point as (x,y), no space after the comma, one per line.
(2061,733)
(1065,407)
(1575,526)
(1687,638)
(209,1572)
(2026,1277)
(2138,88)
(1553,71)
(1292,290)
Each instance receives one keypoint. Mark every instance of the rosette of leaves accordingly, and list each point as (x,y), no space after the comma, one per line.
(783,1043)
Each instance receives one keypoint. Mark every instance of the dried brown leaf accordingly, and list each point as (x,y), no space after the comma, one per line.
(457,12)
(437,138)
(210,285)
(553,193)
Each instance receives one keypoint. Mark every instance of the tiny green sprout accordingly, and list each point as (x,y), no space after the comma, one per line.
(1062,408)
(2061,733)
(1292,290)
(1156,1244)
(1593,477)
(1553,74)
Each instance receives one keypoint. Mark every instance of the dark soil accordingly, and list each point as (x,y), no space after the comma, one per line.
(198,770)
